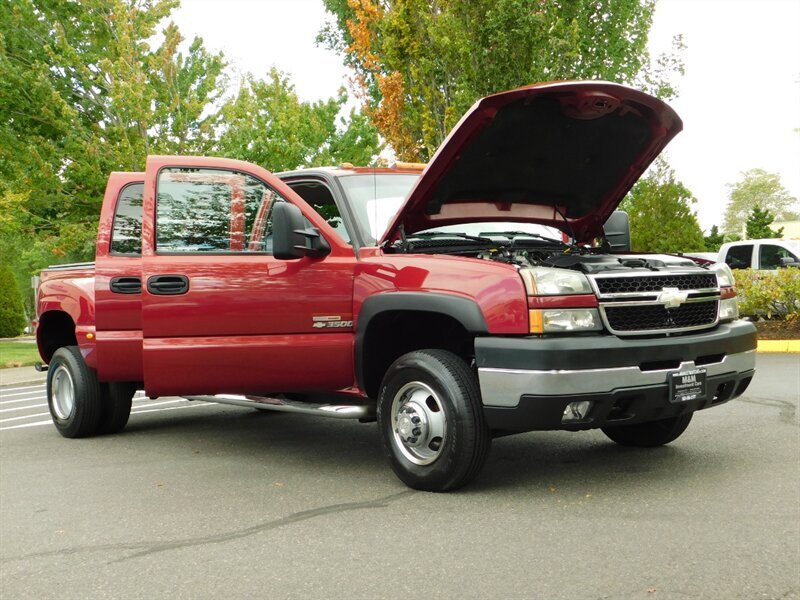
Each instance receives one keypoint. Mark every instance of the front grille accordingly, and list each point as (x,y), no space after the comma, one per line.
(657,317)
(655,283)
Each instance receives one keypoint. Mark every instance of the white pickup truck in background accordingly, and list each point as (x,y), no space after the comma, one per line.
(766,254)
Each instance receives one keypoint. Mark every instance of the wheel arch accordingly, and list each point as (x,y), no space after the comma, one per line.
(391,324)
(56,329)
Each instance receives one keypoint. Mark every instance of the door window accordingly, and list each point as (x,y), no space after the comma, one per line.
(126,235)
(321,199)
(770,256)
(210,210)
(740,257)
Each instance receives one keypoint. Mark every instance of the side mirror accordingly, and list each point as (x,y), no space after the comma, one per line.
(788,261)
(617,232)
(291,238)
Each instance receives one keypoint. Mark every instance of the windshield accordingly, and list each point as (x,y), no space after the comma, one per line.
(376,198)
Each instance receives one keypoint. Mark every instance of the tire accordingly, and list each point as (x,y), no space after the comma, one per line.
(649,435)
(73,394)
(431,421)
(116,399)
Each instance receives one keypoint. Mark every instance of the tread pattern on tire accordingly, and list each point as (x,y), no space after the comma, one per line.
(86,416)
(452,367)
(116,399)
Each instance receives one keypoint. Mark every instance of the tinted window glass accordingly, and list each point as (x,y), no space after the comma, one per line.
(126,237)
(207,210)
(320,198)
(770,256)
(740,257)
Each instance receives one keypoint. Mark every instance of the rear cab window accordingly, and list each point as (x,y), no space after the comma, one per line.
(126,234)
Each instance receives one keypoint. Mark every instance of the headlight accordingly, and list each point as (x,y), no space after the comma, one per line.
(543,281)
(564,319)
(729,303)
(724,274)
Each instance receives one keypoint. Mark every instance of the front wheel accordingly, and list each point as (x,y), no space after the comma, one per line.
(73,394)
(431,421)
(649,435)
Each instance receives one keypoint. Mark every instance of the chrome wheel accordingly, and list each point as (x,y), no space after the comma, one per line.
(63,392)
(418,422)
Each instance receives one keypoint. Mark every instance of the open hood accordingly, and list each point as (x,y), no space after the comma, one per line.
(539,152)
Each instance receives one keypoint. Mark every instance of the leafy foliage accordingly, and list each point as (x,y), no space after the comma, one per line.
(87,95)
(660,214)
(771,295)
(757,188)
(713,240)
(758,225)
(12,317)
(420,64)
(266,123)
(91,87)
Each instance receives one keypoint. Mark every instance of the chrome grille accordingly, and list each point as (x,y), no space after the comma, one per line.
(652,317)
(652,303)
(655,283)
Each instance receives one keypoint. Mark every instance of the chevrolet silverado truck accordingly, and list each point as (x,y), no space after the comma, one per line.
(478,297)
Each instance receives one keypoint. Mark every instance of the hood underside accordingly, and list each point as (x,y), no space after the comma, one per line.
(541,154)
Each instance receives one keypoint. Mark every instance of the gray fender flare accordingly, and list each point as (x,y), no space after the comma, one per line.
(465,311)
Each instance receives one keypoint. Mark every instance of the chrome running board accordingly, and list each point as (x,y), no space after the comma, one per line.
(335,411)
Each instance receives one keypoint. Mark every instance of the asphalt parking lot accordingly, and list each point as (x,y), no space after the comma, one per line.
(205,501)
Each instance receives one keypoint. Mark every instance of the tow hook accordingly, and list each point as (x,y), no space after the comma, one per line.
(40,367)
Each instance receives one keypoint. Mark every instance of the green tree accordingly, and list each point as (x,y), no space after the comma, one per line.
(713,240)
(83,91)
(421,64)
(12,317)
(660,213)
(758,224)
(757,188)
(266,123)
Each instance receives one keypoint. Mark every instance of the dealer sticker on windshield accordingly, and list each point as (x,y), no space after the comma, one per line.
(686,386)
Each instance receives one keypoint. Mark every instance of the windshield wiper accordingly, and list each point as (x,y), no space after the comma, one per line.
(511,235)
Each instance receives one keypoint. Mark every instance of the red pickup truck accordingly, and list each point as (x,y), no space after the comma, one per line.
(445,304)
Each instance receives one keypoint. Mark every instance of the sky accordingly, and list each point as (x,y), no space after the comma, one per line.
(739,99)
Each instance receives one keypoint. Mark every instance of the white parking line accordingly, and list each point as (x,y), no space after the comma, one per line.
(26,407)
(24,400)
(29,393)
(162,403)
(25,417)
(138,412)
(24,387)
(36,424)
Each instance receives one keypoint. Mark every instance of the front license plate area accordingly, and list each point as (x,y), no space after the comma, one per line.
(686,386)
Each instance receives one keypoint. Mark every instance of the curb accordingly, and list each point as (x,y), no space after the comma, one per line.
(792,346)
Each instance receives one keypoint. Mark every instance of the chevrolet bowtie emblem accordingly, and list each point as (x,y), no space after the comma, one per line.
(672,297)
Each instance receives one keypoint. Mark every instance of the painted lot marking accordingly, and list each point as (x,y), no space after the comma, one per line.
(36,398)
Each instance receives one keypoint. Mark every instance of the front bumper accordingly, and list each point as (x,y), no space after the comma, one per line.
(526,383)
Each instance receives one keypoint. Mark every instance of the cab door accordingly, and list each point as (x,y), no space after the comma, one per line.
(219,312)
(118,283)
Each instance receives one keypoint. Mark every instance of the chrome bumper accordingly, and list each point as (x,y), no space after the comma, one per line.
(505,387)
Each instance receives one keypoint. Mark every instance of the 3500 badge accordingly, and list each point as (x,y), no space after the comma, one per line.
(331,321)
